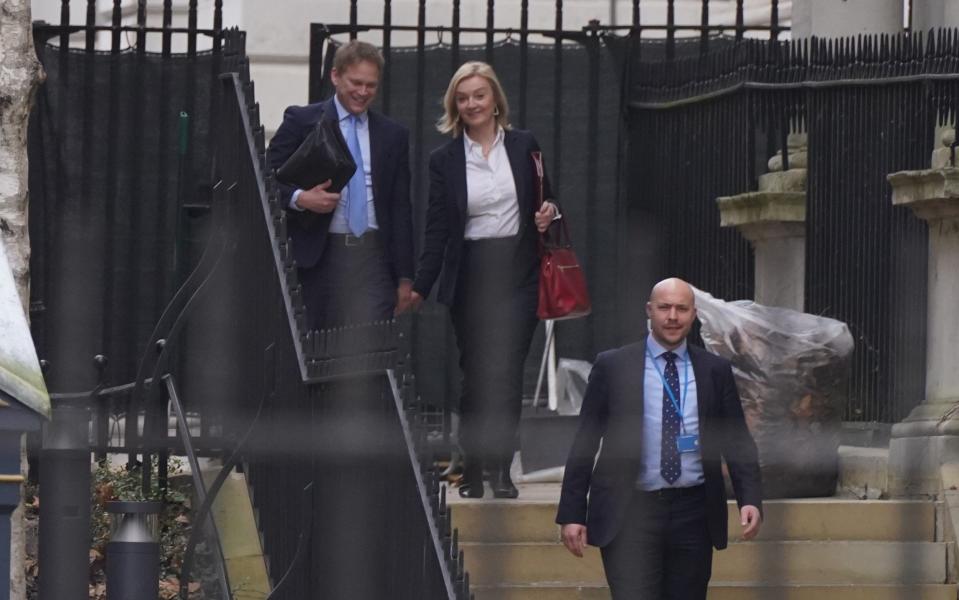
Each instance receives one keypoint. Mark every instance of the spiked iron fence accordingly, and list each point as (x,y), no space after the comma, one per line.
(703,127)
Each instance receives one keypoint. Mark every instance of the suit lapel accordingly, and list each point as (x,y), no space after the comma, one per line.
(376,157)
(632,396)
(639,377)
(704,387)
(457,172)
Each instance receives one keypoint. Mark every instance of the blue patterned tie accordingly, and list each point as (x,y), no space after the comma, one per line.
(356,216)
(670,465)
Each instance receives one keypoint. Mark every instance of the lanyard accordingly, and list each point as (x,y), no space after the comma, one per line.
(678,406)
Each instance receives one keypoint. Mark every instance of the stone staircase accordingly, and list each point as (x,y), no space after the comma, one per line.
(815,549)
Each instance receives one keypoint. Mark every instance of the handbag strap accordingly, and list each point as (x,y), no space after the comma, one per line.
(562,238)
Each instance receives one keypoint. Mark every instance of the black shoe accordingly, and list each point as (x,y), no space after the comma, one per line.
(501,482)
(472,483)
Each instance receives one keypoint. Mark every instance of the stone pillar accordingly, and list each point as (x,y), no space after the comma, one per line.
(843,18)
(773,219)
(929,436)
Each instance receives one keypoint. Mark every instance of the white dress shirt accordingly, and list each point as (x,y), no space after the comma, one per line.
(338,224)
(492,207)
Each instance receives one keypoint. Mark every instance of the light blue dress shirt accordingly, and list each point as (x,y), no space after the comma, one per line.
(338,224)
(649,477)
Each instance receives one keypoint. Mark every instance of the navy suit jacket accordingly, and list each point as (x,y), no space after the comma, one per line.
(598,496)
(389,146)
(446,214)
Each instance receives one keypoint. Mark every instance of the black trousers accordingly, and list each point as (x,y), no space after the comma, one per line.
(351,283)
(663,551)
(494,316)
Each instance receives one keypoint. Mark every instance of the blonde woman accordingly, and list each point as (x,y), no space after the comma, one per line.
(481,232)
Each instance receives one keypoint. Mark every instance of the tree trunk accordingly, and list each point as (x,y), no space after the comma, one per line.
(19,78)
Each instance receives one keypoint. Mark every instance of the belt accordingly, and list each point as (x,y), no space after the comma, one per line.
(673,493)
(370,237)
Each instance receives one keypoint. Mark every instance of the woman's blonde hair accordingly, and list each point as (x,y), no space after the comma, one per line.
(450,121)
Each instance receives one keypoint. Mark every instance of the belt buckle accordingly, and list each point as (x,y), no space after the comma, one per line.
(352,240)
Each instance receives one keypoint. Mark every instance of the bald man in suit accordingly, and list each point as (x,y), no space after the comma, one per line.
(654,502)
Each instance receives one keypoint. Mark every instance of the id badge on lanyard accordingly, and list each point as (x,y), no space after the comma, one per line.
(685,443)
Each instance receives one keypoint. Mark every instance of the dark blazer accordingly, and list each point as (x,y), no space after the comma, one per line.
(389,145)
(446,213)
(613,411)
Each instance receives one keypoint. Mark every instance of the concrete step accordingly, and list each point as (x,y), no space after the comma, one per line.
(779,563)
(732,591)
(785,520)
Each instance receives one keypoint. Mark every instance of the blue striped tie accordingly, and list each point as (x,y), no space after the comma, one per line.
(670,464)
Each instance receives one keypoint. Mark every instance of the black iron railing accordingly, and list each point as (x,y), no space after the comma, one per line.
(332,417)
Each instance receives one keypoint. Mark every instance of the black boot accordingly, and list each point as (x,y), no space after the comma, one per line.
(472,483)
(501,482)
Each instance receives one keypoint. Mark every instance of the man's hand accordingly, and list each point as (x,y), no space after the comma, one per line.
(750,519)
(545,216)
(317,199)
(574,538)
(403,296)
(415,300)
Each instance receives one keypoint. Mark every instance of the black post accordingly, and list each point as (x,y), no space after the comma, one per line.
(353,19)
(490,25)
(523,61)
(774,21)
(558,98)
(91,36)
(739,20)
(65,514)
(670,29)
(704,33)
(456,36)
(387,46)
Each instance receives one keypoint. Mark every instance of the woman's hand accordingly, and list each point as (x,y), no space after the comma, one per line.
(545,216)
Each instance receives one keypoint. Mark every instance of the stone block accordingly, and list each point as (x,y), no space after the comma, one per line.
(914,463)
(793,180)
(762,207)
(931,193)
(864,471)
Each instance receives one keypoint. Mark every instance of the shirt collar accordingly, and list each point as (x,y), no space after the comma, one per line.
(470,144)
(342,113)
(657,349)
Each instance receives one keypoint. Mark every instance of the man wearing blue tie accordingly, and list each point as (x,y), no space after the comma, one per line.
(654,500)
(353,249)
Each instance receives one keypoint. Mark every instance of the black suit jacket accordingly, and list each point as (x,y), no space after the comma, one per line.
(446,214)
(389,146)
(613,411)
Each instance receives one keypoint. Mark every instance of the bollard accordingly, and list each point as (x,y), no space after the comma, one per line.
(64,528)
(133,553)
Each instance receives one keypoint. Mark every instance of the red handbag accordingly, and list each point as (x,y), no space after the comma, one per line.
(562,284)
